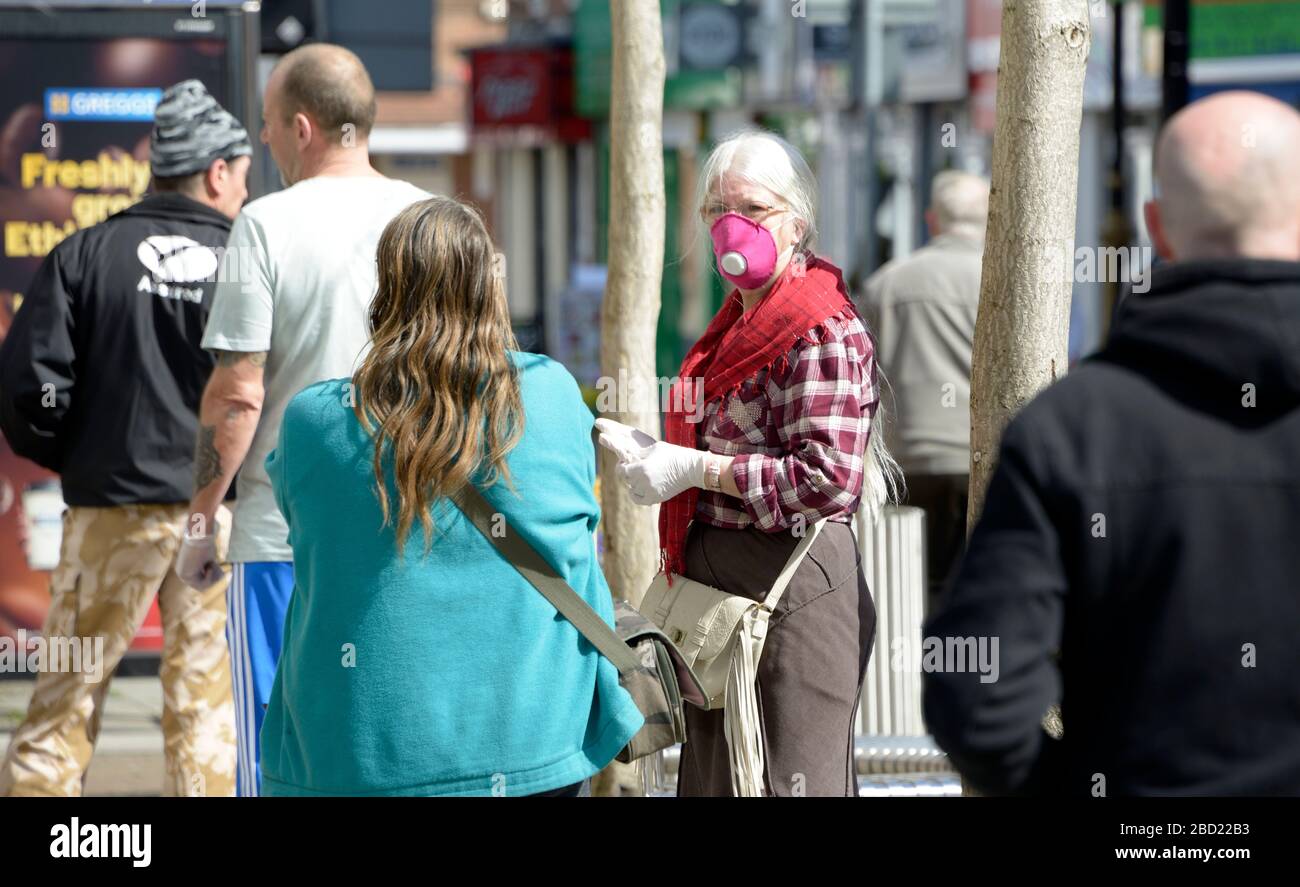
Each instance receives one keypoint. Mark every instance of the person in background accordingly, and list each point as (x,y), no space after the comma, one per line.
(100,380)
(463,680)
(1136,558)
(922,308)
(295,314)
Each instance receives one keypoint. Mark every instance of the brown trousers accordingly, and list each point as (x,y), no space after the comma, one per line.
(814,660)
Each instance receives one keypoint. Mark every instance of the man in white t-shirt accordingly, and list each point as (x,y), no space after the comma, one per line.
(291,310)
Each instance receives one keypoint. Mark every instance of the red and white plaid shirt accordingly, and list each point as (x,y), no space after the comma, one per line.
(799,433)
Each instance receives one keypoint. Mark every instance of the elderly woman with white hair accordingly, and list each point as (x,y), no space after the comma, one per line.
(789,390)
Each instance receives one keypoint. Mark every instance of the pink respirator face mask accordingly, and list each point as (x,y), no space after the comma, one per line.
(744,249)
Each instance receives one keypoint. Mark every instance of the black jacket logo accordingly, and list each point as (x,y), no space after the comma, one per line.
(172,260)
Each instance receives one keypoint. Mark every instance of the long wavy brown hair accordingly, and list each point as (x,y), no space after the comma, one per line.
(438,391)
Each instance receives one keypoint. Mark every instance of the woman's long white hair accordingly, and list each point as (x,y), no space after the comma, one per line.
(768,160)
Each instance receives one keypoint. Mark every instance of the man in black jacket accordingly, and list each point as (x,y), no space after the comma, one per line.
(100,380)
(1138,557)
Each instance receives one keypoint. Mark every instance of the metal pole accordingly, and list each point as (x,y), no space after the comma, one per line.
(1174,87)
(868,75)
(1118,233)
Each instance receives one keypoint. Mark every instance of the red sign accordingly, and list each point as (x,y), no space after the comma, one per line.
(983,29)
(512,87)
(525,87)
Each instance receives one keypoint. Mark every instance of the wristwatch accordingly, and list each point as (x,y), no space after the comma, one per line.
(713,474)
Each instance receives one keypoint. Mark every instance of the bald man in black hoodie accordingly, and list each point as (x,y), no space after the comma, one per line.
(1138,557)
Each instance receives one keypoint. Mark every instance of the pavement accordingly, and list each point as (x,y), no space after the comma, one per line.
(129,756)
(128,760)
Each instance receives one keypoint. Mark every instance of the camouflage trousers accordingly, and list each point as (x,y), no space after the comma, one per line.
(113,562)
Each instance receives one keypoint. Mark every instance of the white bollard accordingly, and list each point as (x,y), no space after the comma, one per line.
(893,560)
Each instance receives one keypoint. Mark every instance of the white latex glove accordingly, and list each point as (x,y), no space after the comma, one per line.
(653,470)
(197,563)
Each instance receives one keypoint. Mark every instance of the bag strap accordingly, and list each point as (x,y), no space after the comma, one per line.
(542,576)
(791,566)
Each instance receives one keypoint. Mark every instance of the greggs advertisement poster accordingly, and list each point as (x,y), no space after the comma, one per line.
(75,116)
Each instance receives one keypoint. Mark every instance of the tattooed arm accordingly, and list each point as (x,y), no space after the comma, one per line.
(228,415)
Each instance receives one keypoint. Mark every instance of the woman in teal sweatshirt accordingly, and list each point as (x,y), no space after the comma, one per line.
(416,660)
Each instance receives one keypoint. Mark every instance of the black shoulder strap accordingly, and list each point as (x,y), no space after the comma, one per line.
(533,567)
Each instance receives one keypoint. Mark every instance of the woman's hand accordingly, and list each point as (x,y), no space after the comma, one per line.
(654,471)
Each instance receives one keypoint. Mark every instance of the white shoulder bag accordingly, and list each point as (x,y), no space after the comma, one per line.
(721,636)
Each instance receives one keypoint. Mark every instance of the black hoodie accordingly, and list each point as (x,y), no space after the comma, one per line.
(101,373)
(1138,558)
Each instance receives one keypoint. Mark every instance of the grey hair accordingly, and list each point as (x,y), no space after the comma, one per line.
(960,200)
(766,159)
(882,482)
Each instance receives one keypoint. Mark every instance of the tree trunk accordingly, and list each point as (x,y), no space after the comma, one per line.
(1022,328)
(1021,334)
(630,312)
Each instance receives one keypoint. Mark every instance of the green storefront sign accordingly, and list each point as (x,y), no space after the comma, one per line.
(1233,30)
(593,50)
(687,90)
(1224,29)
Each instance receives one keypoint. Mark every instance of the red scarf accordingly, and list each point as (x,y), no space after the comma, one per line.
(744,343)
